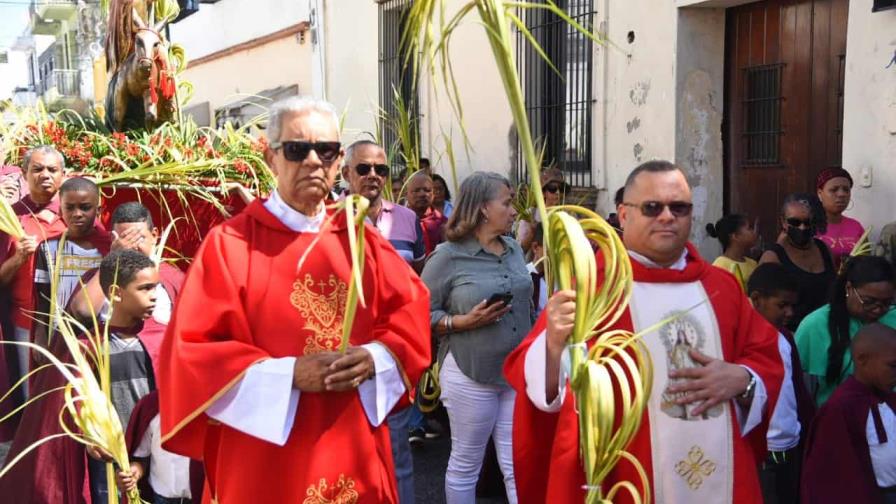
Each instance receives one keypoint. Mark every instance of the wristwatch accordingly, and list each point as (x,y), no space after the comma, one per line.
(748,393)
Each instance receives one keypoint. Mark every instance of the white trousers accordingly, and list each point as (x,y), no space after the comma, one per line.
(476,412)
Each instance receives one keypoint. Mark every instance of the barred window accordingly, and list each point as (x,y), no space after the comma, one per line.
(762,115)
(393,73)
(559,106)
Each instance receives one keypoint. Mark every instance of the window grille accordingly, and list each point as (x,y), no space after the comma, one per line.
(762,115)
(559,107)
(393,75)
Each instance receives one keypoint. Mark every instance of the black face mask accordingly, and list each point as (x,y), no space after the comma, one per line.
(800,236)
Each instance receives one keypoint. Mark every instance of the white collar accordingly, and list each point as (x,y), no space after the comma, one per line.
(678,265)
(292,218)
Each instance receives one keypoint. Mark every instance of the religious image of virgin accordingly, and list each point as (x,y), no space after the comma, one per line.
(679,336)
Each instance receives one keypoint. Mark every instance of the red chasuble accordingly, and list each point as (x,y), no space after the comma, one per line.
(686,458)
(244,301)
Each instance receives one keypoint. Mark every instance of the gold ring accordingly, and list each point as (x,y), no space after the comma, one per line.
(356,382)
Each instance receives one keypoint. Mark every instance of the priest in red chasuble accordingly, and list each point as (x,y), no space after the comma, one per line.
(251,379)
(717,370)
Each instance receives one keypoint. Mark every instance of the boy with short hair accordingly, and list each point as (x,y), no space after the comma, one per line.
(773,291)
(83,247)
(851,448)
(129,279)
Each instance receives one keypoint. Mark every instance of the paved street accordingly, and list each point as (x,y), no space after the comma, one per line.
(430,463)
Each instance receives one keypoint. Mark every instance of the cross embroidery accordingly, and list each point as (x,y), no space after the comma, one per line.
(695,468)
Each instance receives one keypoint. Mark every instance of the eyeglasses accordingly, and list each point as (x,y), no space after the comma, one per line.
(362,169)
(554,188)
(794,222)
(297,150)
(871,303)
(656,208)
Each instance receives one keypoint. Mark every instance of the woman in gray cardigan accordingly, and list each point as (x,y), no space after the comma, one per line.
(478,264)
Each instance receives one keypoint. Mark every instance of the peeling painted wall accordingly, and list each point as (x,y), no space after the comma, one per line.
(699,99)
(869,124)
(634,117)
(664,95)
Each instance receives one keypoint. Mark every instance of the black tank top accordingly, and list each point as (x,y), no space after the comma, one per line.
(814,287)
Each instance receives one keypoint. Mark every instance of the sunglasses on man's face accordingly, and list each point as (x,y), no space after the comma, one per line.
(381,170)
(554,188)
(656,208)
(794,222)
(297,150)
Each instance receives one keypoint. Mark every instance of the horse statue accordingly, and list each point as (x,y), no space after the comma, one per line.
(141,91)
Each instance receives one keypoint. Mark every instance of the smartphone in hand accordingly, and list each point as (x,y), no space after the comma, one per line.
(500,297)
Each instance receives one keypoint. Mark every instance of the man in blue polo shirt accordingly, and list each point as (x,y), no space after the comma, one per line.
(364,168)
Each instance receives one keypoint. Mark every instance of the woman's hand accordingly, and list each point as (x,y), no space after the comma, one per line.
(481,315)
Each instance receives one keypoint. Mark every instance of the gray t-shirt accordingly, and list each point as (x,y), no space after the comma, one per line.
(461,275)
(130,375)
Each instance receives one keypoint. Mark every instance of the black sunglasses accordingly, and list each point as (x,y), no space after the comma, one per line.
(554,188)
(794,222)
(362,169)
(655,208)
(298,150)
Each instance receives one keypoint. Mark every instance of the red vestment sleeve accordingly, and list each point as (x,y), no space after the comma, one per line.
(402,324)
(533,429)
(210,341)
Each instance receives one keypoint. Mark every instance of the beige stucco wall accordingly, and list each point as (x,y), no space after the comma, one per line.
(350,63)
(487,119)
(869,123)
(660,97)
(352,84)
(281,62)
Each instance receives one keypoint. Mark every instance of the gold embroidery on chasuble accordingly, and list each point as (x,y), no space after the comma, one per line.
(321,303)
(695,468)
(682,334)
(341,492)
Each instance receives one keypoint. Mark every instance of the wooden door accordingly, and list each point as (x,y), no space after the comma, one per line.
(784,66)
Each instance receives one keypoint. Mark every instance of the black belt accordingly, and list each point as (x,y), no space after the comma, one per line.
(781,457)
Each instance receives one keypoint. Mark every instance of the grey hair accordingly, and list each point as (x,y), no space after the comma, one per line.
(297,105)
(350,150)
(42,149)
(475,191)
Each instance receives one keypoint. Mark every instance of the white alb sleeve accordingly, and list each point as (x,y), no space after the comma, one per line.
(535,368)
(382,391)
(263,404)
